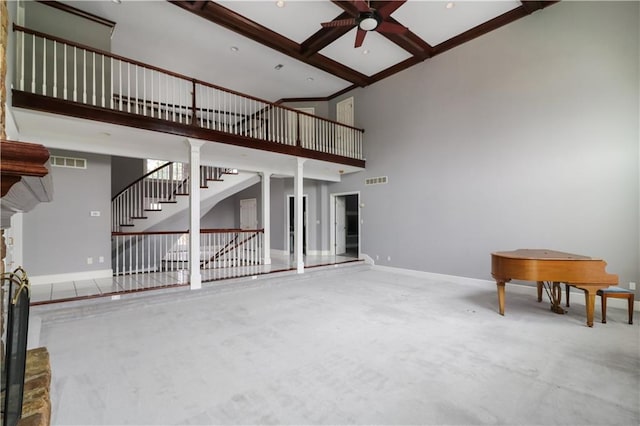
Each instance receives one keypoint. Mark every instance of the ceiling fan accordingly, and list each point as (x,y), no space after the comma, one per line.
(371,19)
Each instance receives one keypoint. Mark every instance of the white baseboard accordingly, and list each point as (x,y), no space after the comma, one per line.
(319,252)
(279,253)
(71,276)
(576,298)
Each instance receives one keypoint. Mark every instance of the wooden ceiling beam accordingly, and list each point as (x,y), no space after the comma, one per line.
(227,18)
(495,23)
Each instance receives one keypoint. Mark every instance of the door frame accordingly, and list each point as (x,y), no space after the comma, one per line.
(305,222)
(332,220)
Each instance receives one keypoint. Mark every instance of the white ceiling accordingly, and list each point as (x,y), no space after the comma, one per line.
(162,34)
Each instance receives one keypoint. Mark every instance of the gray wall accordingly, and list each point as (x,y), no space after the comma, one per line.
(321,107)
(226,214)
(125,171)
(523,138)
(59,236)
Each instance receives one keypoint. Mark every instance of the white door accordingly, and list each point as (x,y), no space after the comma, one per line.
(344,112)
(249,214)
(345,137)
(341,225)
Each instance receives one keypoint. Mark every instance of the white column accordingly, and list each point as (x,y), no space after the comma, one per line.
(266,217)
(298,229)
(195,279)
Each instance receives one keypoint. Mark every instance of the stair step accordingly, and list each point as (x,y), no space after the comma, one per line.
(181,193)
(139,217)
(127,224)
(168,202)
(152,210)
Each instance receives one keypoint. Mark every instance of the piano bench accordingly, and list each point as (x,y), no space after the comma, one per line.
(615,292)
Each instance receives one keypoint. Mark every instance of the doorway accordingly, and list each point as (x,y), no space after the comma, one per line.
(291,221)
(346,219)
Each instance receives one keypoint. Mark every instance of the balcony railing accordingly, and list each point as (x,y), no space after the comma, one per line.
(61,69)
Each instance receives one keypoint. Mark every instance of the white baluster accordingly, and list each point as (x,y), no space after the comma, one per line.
(137,99)
(33,64)
(55,69)
(84,76)
(144,91)
(21,56)
(128,87)
(93,87)
(75,74)
(111,80)
(102,80)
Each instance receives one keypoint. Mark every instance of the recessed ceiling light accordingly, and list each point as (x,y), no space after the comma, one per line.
(117,1)
(278,67)
(280,3)
(234,48)
(309,78)
(365,52)
(450,5)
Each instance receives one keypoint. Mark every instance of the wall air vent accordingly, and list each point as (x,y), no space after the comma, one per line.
(376,180)
(69,162)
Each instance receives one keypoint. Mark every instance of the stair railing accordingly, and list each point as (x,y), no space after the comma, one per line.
(147,193)
(144,252)
(160,186)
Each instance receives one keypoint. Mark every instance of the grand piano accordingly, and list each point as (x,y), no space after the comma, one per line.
(548,269)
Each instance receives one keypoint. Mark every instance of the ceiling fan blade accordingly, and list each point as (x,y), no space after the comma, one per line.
(361,5)
(388,27)
(360,37)
(339,23)
(388,8)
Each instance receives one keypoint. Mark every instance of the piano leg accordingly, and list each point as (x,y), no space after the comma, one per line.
(590,301)
(540,284)
(500,285)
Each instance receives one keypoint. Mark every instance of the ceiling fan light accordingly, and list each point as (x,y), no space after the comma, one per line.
(368,21)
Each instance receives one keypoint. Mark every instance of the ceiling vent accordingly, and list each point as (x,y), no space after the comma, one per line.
(68,162)
(376,180)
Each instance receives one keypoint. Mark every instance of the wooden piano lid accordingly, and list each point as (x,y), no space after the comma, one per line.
(540,254)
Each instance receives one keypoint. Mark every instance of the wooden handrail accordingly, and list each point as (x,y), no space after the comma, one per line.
(142,178)
(171,73)
(202,231)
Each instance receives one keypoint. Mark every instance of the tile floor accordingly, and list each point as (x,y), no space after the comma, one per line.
(106,287)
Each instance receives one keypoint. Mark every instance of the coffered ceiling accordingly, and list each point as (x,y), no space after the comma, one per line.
(280,49)
(294,27)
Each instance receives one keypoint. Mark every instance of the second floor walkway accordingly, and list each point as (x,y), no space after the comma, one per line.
(62,77)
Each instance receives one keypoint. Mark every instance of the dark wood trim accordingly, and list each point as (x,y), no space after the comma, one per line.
(72,10)
(495,23)
(342,92)
(287,100)
(19,159)
(227,18)
(74,109)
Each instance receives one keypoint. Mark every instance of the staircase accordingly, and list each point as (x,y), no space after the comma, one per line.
(163,193)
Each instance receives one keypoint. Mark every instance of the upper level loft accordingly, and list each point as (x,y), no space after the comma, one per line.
(60,76)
